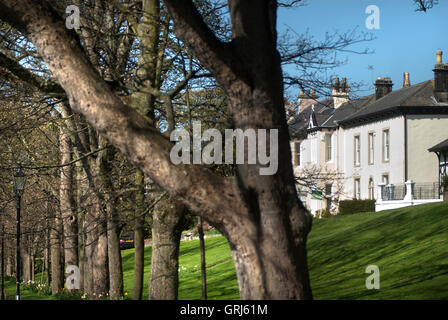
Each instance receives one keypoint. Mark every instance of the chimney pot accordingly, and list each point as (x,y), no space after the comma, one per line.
(439,54)
(336,84)
(406,80)
(440,79)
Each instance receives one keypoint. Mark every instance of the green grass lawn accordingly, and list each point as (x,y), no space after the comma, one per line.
(409,245)
(221,277)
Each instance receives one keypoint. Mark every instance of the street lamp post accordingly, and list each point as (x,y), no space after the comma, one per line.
(19,186)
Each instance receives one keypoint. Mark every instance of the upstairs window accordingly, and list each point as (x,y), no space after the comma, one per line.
(371,147)
(328,148)
(297,154)
(357,148)
(386,145)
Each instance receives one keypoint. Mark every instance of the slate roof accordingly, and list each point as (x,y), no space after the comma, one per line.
(418,98)
(299,125)
(347,109)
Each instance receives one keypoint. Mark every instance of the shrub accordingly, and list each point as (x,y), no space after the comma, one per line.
(356,206)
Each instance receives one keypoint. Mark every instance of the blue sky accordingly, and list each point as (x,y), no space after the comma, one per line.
(406,41)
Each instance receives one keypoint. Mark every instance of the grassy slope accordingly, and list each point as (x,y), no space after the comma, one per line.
(409,245)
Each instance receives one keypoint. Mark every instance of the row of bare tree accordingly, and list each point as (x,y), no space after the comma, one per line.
(103,99)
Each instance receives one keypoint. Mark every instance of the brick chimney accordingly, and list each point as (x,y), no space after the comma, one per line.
(340,92)
(306,99)
(440,79)
(406,80)
(383,86)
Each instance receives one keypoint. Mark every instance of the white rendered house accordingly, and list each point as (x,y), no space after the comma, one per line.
(375,143)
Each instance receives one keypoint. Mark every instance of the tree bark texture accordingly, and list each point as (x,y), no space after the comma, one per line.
(113,221)
(96,245)
(166,232)
(57,273)
(139,239)
(69,217)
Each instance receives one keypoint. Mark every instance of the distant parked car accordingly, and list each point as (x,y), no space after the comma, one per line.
(126,242)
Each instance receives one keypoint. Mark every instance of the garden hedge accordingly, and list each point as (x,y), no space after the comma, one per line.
(355,206)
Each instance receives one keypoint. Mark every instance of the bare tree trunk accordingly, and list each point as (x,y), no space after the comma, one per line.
(267,233)
(143,102)
(32,264)
(9,265)
(115,264)
(97,251)
(81,229)
(88,251)
(69,218)
(100,262)
(100,259)
(113,220)
(203,264)
(24,252)
(47,253)
(139,240)
(57,277)
(166,232)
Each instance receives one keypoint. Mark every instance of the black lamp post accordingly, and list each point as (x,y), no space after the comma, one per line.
(19,186)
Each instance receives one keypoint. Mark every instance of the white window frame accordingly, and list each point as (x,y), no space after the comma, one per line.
(357,188)
(371,150)
(328,147)
(357,150)
(297,154)
(386,145)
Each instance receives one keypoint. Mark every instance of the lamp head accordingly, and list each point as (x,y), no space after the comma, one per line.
(19,182)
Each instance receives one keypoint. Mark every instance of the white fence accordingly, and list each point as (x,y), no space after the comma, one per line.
(393,197)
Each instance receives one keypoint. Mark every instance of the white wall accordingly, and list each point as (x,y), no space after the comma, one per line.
(424,132)
(394,167)
(388,205)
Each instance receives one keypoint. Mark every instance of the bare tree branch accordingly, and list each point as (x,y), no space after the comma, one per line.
(124,127)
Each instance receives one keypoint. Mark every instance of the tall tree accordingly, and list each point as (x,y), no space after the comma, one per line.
(57,268)
(261,216)
(69,218)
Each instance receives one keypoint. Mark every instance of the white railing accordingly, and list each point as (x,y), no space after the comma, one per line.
(388,198)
